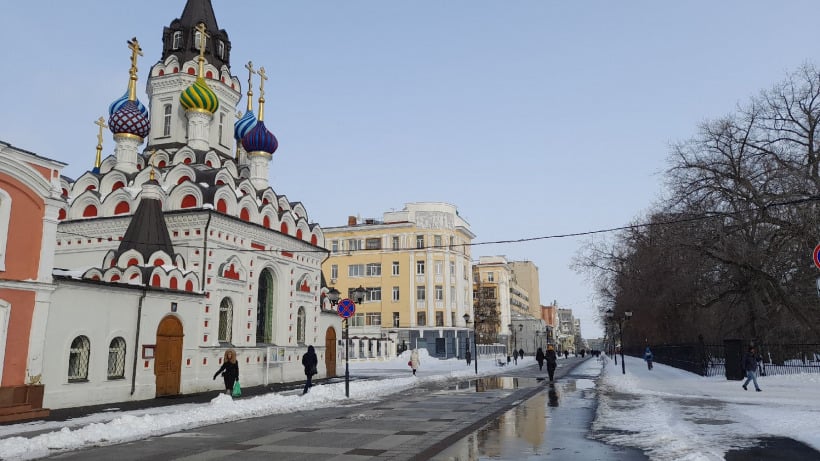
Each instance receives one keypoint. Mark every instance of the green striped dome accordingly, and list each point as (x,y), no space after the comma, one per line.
(199,97)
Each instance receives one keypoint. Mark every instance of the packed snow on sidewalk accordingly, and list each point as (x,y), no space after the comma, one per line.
(114,427)
(675,415)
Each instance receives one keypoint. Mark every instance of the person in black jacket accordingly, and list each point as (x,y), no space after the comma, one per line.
(552,361)
(539,357)
(750,360)
(309,361)
(229,370)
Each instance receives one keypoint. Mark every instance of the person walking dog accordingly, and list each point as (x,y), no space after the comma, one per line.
(229,370)
(309,361)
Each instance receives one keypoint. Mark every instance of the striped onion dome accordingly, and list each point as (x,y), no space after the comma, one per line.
(259,139)
(117,105)
(129,119)
(243,125)
(199,97)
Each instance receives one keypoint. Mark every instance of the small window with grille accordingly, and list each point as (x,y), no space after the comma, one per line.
(116,358)
(78,357)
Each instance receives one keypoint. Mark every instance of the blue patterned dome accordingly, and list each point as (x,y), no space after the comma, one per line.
(129,120)
(259,139)
(117,105)
(244,124)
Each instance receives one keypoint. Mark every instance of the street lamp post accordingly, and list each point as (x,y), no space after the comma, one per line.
(627,315)
(475,339)
(333,296)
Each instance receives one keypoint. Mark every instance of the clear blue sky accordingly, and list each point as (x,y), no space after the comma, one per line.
(533,117)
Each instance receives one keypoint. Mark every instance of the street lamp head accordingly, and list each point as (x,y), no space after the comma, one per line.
(358,295)
(333,296)
(466,318)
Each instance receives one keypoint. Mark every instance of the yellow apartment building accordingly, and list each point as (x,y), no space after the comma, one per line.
(525,275)
(414,265)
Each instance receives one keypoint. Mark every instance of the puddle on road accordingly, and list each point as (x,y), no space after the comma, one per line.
(491,383)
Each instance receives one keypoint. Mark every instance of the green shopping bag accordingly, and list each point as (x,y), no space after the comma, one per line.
(237,391)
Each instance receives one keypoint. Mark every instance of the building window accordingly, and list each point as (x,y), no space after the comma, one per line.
(452,242)
(78,357)
(334,246)
(300,326)
(439,319)
(439,293)
(355,270)
(334,271)
(452,293)
(373,244)
(421,318)
(357,320)
(396,320)
(420,267)
(166,120)
(373,294)
(452,319)
(439,265)
(419,242)
(395,268)
(437,241)
(5,217)
(395,293)
(225,321)
(373,319)
(116,358)
(421,293)
(491,276)
(452,269)
(220,50)
(374,270)
(354,244)
(221,128)
(396,243)
(176,42)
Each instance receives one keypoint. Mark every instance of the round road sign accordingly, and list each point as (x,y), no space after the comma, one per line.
(346,308)
(816,256)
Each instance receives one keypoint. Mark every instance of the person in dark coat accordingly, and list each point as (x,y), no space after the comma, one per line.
(539,357)
(750,360)
(521,354)
(515,356)
(229,370)
(552,361)
(310,362)
(468,356)
(647,355)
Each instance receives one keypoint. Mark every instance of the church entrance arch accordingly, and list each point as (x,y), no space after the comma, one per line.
(168,356)
(330,352)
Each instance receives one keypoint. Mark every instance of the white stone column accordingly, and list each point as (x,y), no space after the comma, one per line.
(199,127)
(126,151)
(259,163)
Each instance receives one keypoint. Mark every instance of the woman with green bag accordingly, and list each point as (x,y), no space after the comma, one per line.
(230,373)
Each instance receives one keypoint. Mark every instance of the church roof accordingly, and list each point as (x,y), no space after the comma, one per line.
(147,231)
(194,13)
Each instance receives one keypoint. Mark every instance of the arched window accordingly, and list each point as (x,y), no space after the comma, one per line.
(177,42)
(5,217)
(300,326)
(122,208)
(116,359)
(283,228)
(222,206)
(90,211)
(78,357)
(244,215)
(189,201)
(264,308)
(225,320)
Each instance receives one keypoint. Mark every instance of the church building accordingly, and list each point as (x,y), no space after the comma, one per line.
(174,248)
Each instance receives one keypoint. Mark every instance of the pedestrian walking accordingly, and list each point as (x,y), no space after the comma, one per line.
(539,357)
(468,356)
(310,362)
(647,355)
(566,354)
(414,361)
(521,354)
(750,360)
(552,361)
(229,370)
(515,356)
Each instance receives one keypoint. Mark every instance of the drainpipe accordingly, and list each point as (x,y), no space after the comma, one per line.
(137,339)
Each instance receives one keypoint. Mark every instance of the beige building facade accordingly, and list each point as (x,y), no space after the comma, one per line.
(415,266)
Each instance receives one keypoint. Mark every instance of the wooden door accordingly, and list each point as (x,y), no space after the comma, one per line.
(168,356)
(330,352)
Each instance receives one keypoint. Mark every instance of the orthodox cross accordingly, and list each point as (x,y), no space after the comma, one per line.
(134,45)
(262,78)
(249,66)
(98,160)
(202,40)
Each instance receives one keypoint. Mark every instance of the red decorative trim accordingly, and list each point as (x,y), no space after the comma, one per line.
(287,254)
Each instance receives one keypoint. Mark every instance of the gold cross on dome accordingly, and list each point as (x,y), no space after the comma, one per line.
(101,123)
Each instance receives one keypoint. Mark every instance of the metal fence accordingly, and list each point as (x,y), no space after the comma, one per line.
(710,359)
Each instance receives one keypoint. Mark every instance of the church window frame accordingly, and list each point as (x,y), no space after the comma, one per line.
(301,318)
(5,220)
(166,120)
(176,40)
(116,358)
(220,50)
(225,334)
(197,38)
(78,358)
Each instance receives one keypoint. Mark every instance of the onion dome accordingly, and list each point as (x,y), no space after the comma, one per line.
(117,105)
(199,97)
(259,139)
(244,124)
(129,120)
